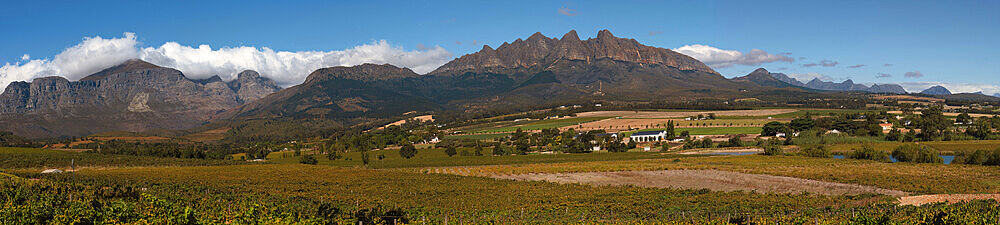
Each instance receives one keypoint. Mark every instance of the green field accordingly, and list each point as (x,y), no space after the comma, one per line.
(436,157)
(946,147)
(538,125)
(710,130)
(45,158)
(800,113)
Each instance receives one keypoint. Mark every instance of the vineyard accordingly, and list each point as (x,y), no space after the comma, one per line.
(909,177)
(44,158)
(320,194)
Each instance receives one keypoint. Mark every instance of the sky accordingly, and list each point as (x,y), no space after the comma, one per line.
(913,43)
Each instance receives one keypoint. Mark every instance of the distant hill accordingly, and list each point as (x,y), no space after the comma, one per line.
(132,96)
(936,90)
(849,85)
(762,77)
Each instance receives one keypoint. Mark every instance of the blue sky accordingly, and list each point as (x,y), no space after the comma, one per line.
(953,43)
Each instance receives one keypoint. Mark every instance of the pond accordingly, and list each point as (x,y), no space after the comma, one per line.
(947,158)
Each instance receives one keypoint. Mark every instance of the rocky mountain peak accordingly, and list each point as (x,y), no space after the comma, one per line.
(936,90)
(760,71)
(605,35)
(248,74)
(250,86)
(363,72)
(540,52)
(127,66)
(570,36)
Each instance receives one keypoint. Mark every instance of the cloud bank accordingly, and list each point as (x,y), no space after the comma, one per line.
(914,74)
(287,68)
(719,58)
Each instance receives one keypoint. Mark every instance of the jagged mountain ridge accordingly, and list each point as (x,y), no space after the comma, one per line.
(132,96)
(762,77)
(525,73)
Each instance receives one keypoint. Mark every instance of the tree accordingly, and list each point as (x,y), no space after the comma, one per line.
(670,129)
(802,124)
(735,142)
(963,118)
(479,149)
(932,122)
(982,128)
(894,135)
(451,151)
(773,128)
(408,151)
(308,159)
(498,148)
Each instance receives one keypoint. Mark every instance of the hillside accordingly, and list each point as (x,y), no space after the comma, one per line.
(132,96)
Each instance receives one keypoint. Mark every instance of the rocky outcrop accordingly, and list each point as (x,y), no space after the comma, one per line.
(363,72)
(250,86)
(887,88)
(936,90)
(132,96)
(539,50)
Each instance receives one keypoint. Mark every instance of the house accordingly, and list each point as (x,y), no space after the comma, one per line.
(779,135)
(649,136)
(434,140)
(597,105)
(886,126)
(834,131)
(52,171)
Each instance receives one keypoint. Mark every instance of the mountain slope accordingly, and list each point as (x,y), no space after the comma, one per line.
(936,90)
(132,96)
(762,77)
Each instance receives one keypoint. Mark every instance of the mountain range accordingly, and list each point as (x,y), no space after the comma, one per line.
(762,77)
(526,74)
(132,96)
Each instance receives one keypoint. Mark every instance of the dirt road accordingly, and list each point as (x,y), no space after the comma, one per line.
(707,179)
(952,198)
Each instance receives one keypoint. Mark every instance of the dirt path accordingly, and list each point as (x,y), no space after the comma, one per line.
(710,179)
(927,199)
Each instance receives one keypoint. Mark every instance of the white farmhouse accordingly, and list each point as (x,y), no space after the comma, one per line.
(649,136)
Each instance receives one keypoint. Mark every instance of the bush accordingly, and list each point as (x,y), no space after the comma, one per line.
(818,151)
(979,157)
(451,151)
(773,147)
(916,153)
(869,153)
(308,159)
(408,151)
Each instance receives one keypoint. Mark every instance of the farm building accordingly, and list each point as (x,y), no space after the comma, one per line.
(649,136)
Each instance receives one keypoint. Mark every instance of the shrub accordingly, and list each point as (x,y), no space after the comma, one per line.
(451,151)
(773,147)
(869,153)
(408,151)
(818,151)
(980,157)
(308,159)
(916,153)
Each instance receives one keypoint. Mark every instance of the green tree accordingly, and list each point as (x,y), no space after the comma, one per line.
(802,124)
(408,151)
(308,159)
(670,129)
(479,149)
(963,118)
(774,128)
(498,148)
(894,135)
(932,123)
(450,150)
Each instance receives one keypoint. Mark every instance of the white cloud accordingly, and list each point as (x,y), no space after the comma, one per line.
(988,89)
(286,68)
(25,57)
(806,77)
(566,11)
(720,58)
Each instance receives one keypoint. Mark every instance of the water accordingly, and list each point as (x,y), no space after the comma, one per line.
(947,158)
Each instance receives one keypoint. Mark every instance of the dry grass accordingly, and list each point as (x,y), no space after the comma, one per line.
(706,179)
(675,114)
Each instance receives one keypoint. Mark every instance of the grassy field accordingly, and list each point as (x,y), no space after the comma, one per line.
(477,136)
(945,147)
(915,178)
(437,158)
(800,113)
(538,124)
(45,158)
(710,130)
